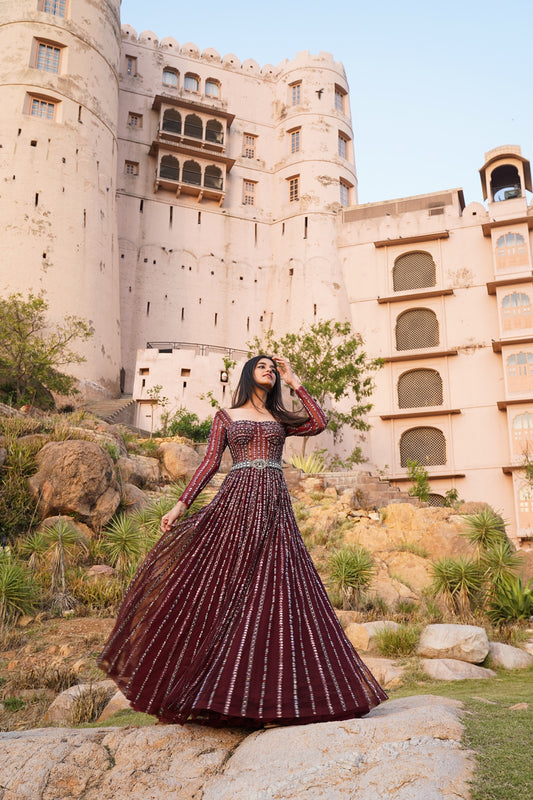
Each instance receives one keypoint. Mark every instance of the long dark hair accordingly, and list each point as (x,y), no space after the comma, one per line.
(274,401)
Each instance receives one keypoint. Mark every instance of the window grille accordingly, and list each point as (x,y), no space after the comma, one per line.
(296,93)
(436,500)
(418,388)
(344,193)
(413,271)
(425,445)
(56,7)
(416,329)
(294,188)
(339,98)
(342,146)
(295,141)
(248,193)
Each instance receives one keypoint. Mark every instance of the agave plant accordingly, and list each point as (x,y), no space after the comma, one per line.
(122,542)
(312,464)
(484,529)
(18,594)
(511,602)
(65,544)
(458,581)
(351,572)
(500,562)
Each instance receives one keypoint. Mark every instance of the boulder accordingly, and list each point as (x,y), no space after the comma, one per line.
(528,646)
(76,477)
(386,672)
(59,713)
(178,461)
(139,470)
(463,642)
(33,441)
(99,571)
(503,655)
(407,749)
(451,669)
(133,498)
(117,703)
(363,635)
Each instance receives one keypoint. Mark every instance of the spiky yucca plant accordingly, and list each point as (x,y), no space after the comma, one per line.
(18,594)
(351,571)
(511,601)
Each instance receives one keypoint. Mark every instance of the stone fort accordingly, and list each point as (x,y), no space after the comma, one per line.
(184,202)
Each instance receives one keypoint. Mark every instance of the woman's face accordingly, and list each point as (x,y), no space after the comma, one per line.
(265,374)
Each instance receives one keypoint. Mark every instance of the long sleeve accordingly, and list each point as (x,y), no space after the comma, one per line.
(317,419)
(210,463)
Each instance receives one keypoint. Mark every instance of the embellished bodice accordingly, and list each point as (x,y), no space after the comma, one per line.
(249,440)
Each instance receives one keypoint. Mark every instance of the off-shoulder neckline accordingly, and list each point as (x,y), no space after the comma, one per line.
(256,421)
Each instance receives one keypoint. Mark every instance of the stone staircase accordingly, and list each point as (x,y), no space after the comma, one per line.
(371,490)
(119,409)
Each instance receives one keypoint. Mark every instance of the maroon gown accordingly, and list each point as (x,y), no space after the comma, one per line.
(227,621)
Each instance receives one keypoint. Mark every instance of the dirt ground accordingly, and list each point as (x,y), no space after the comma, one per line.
(43,657)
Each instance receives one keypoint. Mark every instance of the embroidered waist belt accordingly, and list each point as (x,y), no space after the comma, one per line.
(257,463)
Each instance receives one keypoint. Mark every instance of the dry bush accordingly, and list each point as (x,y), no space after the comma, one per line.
(89,705)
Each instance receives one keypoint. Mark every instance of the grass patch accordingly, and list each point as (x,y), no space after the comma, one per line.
(414,548)
(500,737)
(14,703)
(397,643)
(122,718)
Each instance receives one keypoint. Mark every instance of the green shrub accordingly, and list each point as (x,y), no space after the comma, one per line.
(312,464)
(397,643)
(14,703)
(18,594)
(187,424)
(351,571)
(419,475)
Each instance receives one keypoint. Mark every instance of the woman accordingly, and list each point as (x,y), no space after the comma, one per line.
(227,621)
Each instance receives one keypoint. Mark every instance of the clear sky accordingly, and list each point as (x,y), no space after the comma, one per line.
(433,85)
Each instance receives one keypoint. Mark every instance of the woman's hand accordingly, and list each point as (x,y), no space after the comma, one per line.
(169,520)
(285,370)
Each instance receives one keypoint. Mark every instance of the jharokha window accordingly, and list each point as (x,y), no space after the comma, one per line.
(511,250)
(414,270)
(522,434)
(425,445)
(516,311)
(418,388)
(520,372)
(417,328)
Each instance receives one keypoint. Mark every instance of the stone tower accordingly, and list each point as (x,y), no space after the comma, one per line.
(58,139)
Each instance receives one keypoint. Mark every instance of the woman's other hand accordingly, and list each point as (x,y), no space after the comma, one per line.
(170,519)
(285,370)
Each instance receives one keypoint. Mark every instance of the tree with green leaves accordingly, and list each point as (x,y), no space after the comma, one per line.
(33,352)
(330,360)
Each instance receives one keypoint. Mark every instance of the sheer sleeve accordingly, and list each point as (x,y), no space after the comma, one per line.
(215,447)
(317,419)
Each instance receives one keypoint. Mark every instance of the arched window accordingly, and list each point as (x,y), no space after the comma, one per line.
(505,183)
(413,271)
(191,83)
(522,433)
(193,126)
(214,131)
(212,88)
(525,506)
(213,177)
(172,121)
(425,445)
(418,388)
(192,173)
(170,78)
(511,250)
(169,168)
(417,328)
(516,309)
(520,372)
